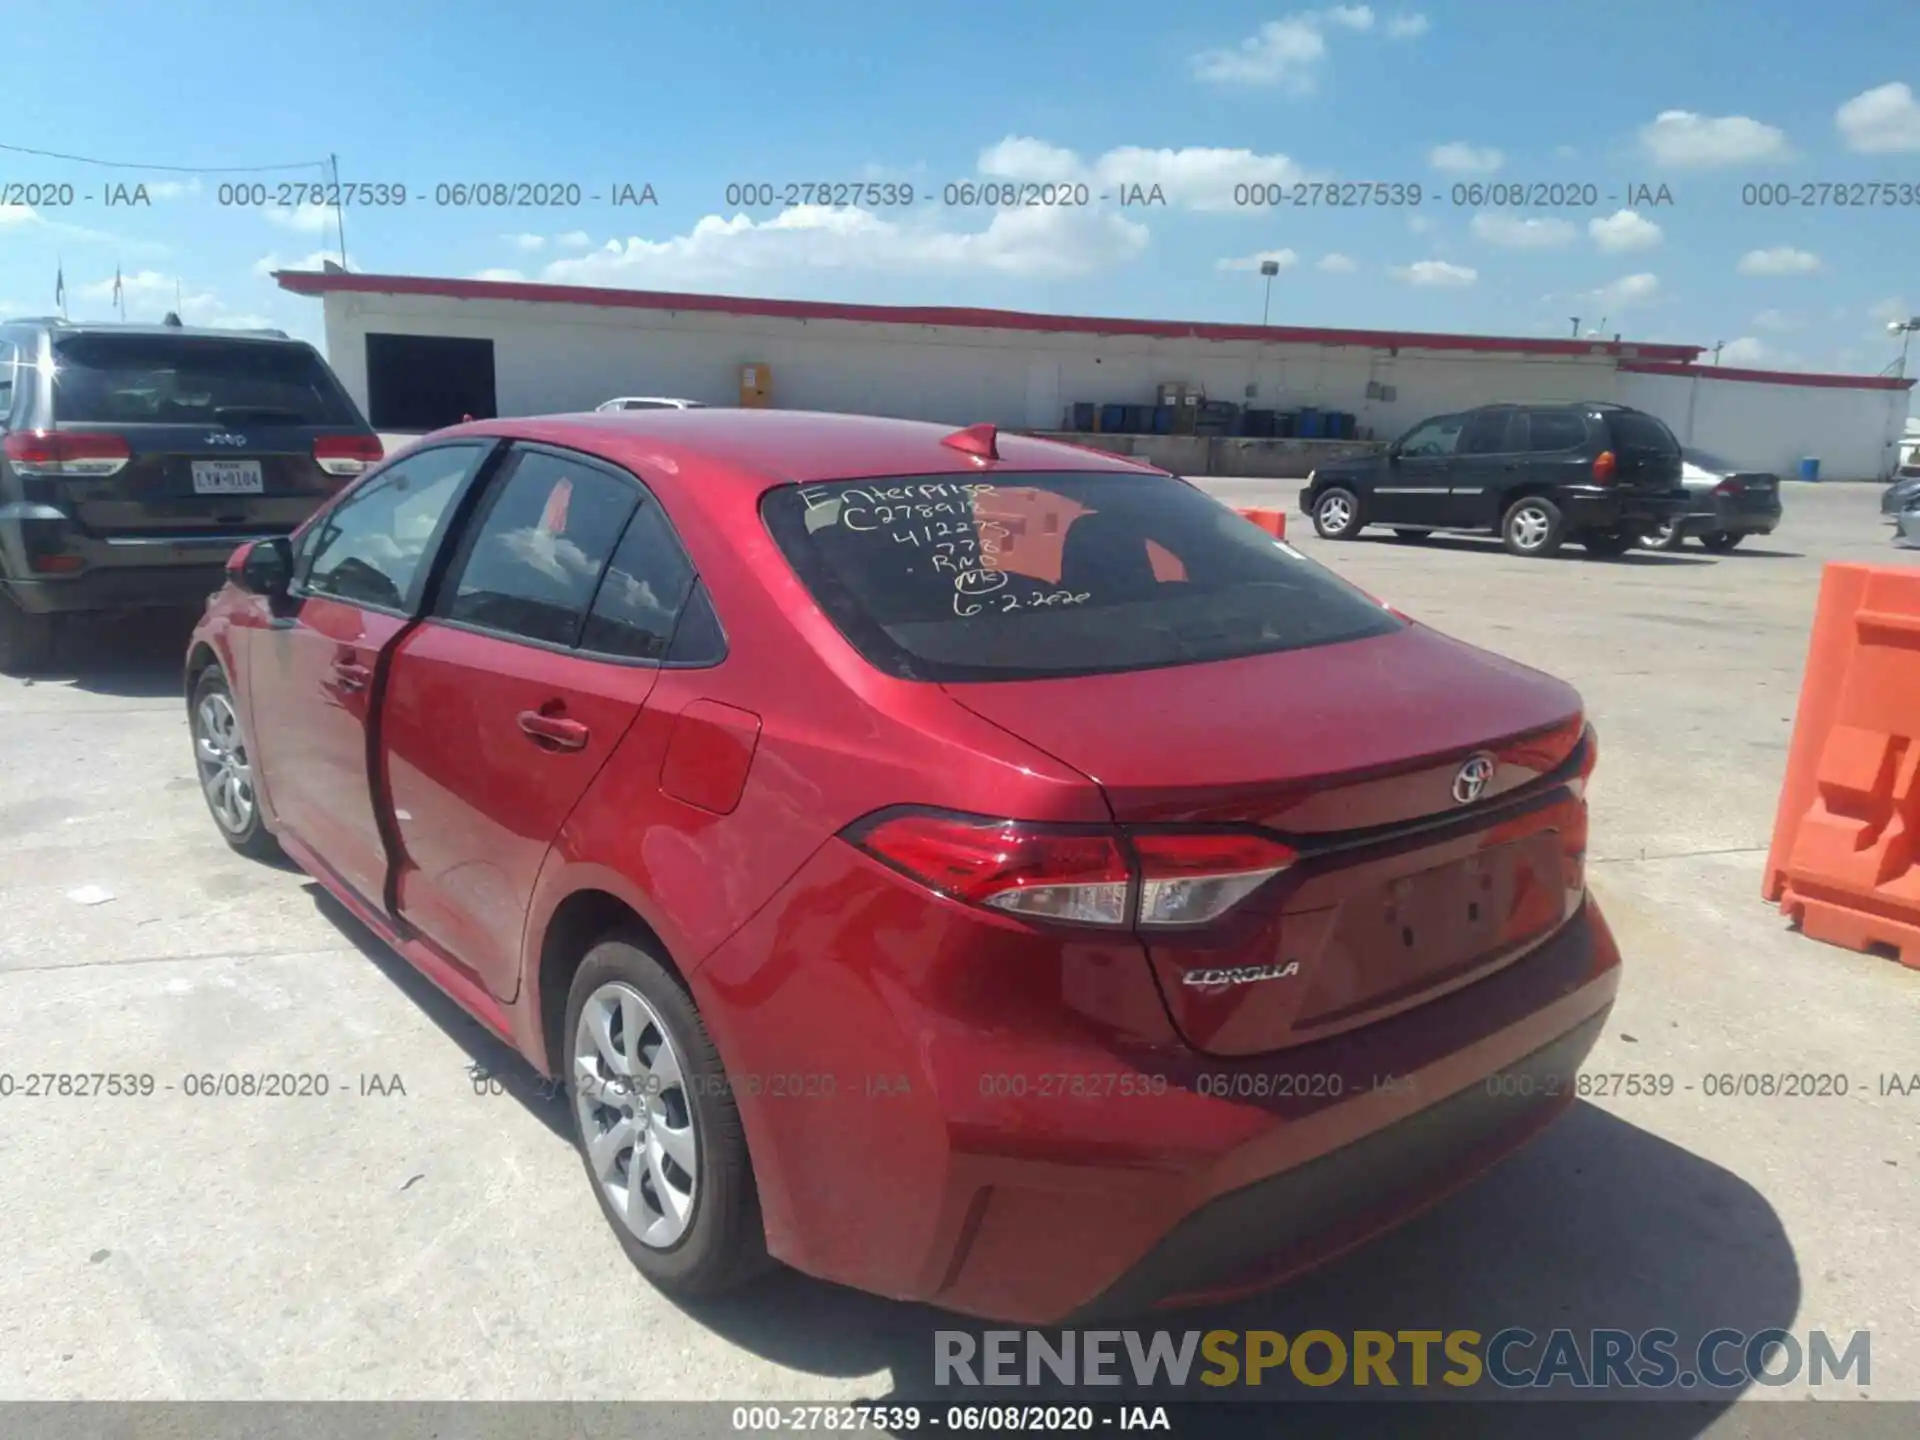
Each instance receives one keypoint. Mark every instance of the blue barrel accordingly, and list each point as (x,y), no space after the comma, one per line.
(1113,419)
(1810,469)
(1163,419)
(1311,424)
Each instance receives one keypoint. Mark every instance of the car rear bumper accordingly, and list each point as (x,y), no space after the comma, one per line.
(1607,509)
(52,566)
(1015,1132)
(1730,518)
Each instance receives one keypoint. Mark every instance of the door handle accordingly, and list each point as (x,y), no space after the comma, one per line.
(351,674)
(554,730)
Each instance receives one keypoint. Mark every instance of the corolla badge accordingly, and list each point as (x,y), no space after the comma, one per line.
(218,438)
(1472,779)
(1241,974)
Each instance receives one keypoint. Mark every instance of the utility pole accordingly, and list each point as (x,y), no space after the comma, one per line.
(339,208)
(1718,346)
(1576,326)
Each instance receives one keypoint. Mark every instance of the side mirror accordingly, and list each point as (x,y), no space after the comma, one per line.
(263,567)
(1393,453)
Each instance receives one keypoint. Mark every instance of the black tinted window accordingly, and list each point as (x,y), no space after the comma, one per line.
(1486,433)
(697,638)
(640,599)
(1553,430)
(182,380)
(1439,436)
(541,545)
(371,548)
(1634,431)
(9,360)
(939,578)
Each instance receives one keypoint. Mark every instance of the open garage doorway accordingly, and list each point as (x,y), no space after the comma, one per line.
(421,382)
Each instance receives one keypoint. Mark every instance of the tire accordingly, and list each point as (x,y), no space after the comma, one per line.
(715,1241)
(26,639)
(225,769)
(1668,537)
(1607,544)
(1721,541)
(1533,527)
(1411,535)
(1336,514)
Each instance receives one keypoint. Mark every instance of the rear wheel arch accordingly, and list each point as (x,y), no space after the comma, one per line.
(579,922)
(200,659)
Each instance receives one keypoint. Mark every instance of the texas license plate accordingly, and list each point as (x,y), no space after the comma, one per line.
(227,477)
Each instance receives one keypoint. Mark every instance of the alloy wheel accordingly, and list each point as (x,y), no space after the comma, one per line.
(226,775)
(636,1117)
(1530,526)
(1336,512)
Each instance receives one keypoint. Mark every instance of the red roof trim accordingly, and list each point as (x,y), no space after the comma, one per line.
(307,282)
(1772,377)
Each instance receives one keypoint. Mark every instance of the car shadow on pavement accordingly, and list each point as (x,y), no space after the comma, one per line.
(1745,552)
(1488,544)
(138,656)
(491,1062)
(1598,1225)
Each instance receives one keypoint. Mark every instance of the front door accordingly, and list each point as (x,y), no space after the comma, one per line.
(1414,489)
(358,571)
(542,646)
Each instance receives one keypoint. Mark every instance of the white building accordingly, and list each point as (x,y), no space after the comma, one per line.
(418,352)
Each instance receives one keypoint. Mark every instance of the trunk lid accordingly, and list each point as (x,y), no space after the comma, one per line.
(1351,753)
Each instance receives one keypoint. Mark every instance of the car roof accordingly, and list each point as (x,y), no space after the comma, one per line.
(753,450)
(59,327)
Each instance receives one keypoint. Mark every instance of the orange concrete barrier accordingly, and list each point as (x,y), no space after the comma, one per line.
(1274,522)
(1845,860)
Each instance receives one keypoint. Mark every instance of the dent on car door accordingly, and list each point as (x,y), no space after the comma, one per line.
(505,702)
(359,574)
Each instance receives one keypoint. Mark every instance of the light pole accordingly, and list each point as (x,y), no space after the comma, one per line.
(1904,329)
(1718,346)
(1268,268)
(1576,325)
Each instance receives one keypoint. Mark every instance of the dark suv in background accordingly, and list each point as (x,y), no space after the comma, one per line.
(135,458)
(1536,475)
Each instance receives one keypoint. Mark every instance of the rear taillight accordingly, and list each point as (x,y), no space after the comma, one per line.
(347,454)
(1083,875)
(1730,486)
(68,453)
(1603,467)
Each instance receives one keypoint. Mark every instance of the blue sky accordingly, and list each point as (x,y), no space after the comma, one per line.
(1703,97)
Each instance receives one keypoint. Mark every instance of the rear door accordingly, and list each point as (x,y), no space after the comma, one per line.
(1490,459)
(1647,457)
(501,707)
(359,574)
(1415,486)
(222,432)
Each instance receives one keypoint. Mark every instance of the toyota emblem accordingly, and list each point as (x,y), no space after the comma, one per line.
(1472,780)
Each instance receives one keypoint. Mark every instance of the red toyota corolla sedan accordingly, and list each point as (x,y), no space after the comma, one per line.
(961,866)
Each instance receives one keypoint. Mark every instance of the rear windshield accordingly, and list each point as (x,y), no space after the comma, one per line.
(1034,576)
(189,380)
(1634,431)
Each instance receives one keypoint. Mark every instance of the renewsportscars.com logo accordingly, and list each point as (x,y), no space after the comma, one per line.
(1510,1359)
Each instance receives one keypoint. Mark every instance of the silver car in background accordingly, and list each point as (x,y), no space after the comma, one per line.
(1725,504)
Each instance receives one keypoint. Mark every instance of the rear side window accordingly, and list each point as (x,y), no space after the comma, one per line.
(646,586)
(1551,431)
(9,362)
(1034,576)
(194,380)
(542,543)
(1487,433)
(1635,431)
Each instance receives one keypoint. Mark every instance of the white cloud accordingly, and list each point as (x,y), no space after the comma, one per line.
(1622,231)
(1780,260)
(1436,273)
(1042,243)
(1881,121)
(497,274)
(314,260)
(1194,178)
(1892,308)
(307,219)
(20,217)
(1774,320)
(573,240)
(1288,54)
(1683,138)
(1744,351)
(172,189)
(1535,232)
(11,215)
(526,242)
(1627,292)
(1335,263)
(1285,259)
(149,294)
(1463,159)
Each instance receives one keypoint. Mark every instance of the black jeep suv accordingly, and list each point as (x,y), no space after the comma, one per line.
(1536,475)
(135,458)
